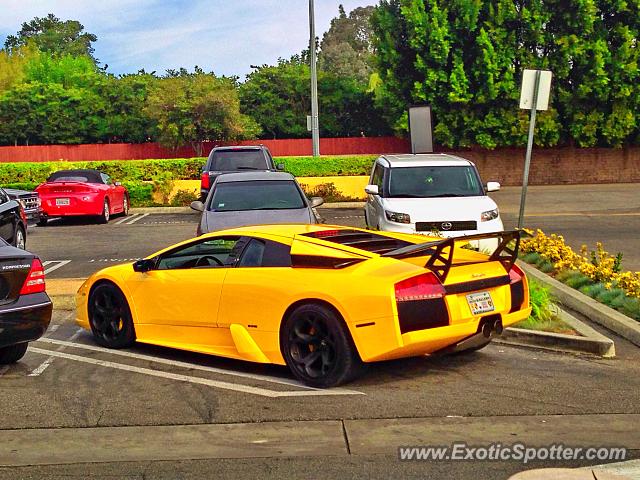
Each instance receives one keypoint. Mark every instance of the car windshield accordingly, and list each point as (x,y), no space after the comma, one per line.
(435,181)
(256,195)
(238,159)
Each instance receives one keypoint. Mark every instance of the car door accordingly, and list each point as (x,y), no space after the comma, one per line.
(373,207)
(183,290)
(255,290)
(114,194)
(7,217)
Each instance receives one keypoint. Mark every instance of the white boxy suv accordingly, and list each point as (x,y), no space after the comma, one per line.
(431,192)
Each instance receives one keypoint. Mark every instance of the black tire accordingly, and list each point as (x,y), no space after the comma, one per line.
(106,214)
(125,206)
(20,238)
(110,317)
(317,347)
(43,221)
(12,353)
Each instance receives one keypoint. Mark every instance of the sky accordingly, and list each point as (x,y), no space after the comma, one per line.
(224,36)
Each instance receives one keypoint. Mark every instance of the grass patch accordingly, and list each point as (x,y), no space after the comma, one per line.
(532,258)
(552,324)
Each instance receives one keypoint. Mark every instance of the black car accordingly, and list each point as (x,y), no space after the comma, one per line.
(30,202)
(235,159)
(13,221)
(25,307)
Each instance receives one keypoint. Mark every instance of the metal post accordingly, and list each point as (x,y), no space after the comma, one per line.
(527,160)
(315,124)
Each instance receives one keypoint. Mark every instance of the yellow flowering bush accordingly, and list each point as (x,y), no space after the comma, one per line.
(601,267)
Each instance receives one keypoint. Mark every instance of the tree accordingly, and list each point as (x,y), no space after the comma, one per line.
(54,36)
(346,49)
(193,108)
(278,98)
(465,59)
(12,65)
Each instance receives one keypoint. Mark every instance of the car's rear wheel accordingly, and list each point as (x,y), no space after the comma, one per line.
(110,317)
(106,214)
(317,347)
(20,238)
(12,353)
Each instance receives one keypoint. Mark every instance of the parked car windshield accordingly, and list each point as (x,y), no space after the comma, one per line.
(256,195)
(436,181)
(238,159)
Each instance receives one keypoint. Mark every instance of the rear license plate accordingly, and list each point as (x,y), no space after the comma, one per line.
(480,303)
(62,202)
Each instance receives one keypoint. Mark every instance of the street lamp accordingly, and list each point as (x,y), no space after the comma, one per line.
(315,124)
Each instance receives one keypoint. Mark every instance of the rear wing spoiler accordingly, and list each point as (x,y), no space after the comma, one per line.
(441,251)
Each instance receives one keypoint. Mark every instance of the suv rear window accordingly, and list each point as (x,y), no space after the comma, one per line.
(256,195)
(238,159)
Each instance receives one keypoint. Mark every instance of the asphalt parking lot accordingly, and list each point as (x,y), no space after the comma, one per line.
(71,409)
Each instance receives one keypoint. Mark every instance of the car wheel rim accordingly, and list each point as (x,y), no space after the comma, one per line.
(108,321)
(125,206)
(20,243)
(312,347)
(106,211)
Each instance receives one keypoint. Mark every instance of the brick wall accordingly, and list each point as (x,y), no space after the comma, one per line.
(555,166)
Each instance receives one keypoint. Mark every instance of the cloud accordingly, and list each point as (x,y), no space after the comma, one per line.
(225,36)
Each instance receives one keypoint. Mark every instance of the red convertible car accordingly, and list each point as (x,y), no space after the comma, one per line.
(68,193)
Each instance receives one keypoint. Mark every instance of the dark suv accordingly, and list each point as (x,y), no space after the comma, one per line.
(235,159)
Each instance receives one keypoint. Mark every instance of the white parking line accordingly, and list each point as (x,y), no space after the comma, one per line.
(58,264)
(197,380)
(177,363)
(136,218)
(124,219)
(44,365)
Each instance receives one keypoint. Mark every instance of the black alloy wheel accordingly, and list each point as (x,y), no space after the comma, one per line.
(110,317)
(317,347)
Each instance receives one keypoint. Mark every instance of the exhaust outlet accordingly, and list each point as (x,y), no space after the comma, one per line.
(486,329)
(498,328)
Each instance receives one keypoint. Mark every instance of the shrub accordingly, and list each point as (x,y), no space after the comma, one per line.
(140,194)
(183,198)
(541,301)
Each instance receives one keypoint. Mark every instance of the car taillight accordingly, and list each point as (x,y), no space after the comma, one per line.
(421,303)
(422,287)
(205,181)
(34,283)
(515,274)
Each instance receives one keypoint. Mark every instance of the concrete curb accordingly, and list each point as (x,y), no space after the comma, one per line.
(187,210)
(590,341)
(607,317)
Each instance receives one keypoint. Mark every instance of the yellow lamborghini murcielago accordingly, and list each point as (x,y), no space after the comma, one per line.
(321,299)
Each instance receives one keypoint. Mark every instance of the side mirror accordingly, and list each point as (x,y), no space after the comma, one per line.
(316,201)
(280,166)
(493,186)
(118,184)
(198,206)
(143,266)
(372,190)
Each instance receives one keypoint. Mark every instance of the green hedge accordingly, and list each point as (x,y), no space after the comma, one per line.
(180,168)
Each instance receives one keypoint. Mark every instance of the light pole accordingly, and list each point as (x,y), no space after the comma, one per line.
(315,124)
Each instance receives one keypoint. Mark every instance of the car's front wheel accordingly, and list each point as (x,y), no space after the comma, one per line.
(317,347)
(12,353)
(125,206)
(110,317)
(106,213)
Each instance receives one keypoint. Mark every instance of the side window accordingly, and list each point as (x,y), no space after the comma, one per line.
(210,253)
(4,198)
(378,176)
(105,179)
(265,253)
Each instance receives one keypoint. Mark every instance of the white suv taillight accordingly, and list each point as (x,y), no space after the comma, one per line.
(34,283)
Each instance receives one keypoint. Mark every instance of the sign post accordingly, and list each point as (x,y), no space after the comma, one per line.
(534,94)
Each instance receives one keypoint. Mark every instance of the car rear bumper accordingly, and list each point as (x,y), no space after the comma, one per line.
(25,320)
(422,342)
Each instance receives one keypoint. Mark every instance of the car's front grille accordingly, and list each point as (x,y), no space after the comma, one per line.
(447,226)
